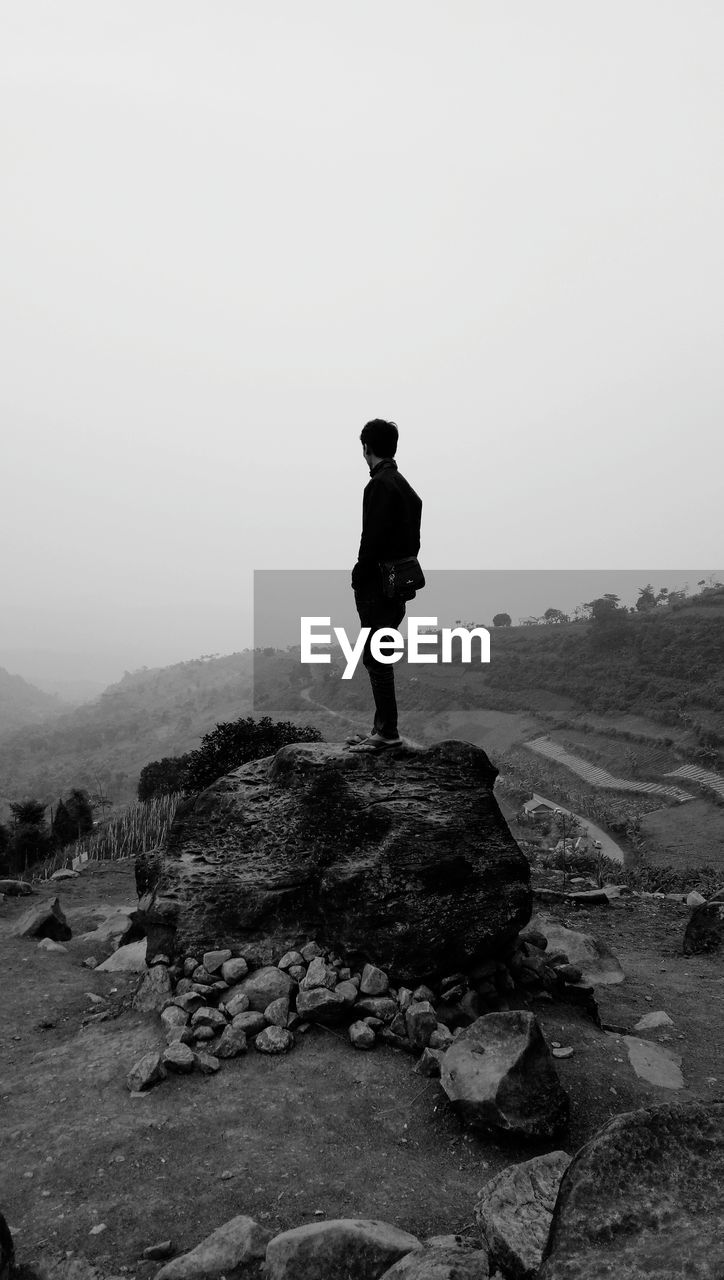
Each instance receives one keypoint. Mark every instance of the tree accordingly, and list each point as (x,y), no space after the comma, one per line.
(62,828)
(555,616)
(30,840)
(603,606)
(80,812)
(238,741)
(647,598)
(162,777)
(502,620)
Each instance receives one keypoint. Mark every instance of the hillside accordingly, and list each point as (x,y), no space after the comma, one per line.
(23,704)
(147,715)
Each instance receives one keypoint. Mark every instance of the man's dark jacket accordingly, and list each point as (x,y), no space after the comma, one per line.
(391,515)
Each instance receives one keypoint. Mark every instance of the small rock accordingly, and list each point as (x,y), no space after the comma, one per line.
(421,1022)
(290,958)
(189,1001)
(311,950)
(206,1017)
(404,998)
(235,1003)
(213,960)
(348,991)
(264,985)
(361,1035)
(235,969)
(514,1212)
(249,1021)
(206,1063)
(441,1037)
(320,1005)
(172,1016)
(179,1035)
(203,1034)
(297,972)
(157,1252)
(274,1040)
(695,899)
(191,964)
(277,1013)
(383,1007)
(429,1063)
(202,977)
(178,1057)
(318,974)
(231,1043)
(423,993)
(148,1071)
(374,981)
(155,988)
(562,1051)
(47,944)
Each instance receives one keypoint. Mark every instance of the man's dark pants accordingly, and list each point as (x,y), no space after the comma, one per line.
(377,611)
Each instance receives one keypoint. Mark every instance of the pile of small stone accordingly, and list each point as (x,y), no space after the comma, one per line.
(215,1005)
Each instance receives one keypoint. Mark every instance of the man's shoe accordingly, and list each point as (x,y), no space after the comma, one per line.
(376,742)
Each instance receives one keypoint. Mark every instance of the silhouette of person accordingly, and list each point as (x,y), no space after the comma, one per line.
(391,516)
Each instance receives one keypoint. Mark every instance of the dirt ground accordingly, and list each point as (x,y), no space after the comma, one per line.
(325,1130)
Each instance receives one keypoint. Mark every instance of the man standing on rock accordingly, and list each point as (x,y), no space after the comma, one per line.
(391,514)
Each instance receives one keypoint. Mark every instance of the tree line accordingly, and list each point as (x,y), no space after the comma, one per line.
(32,837)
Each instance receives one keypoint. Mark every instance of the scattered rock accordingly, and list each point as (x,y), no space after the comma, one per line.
(249,1022)
(178,1057)
(213,960)
(695,899)
(274,1040)
(206,1063)
(320,1005)
(383,1007)
(597,963)
(319,974)
(65,873)
(149,1070)
(206,1017)
(349,1248)
(514,1212)
(499,1075)
(277,1013)
(233,1246)
(155,988)
(47,944)
(430,1063)
(374,981)
(361,1036)
(231,1043)
(158,1251)
(234,970)
(290,959)
(264,985)
(421,1022)
(643,1198)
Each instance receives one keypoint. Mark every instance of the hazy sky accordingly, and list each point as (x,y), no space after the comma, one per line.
(234,231)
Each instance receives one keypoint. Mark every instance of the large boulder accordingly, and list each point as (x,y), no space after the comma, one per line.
(597,963)
(234,1247)
(500,1077)
(643,1198)
(317,842)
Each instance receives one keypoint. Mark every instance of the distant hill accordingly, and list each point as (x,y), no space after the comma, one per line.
(146,715)
(23,704)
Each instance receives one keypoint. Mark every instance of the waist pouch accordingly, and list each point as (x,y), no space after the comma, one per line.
(401,579)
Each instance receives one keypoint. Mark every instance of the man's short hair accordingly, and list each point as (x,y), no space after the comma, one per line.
(380,437)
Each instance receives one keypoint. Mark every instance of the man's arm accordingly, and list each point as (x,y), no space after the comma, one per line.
(378,506)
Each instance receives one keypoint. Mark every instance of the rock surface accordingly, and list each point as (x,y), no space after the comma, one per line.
(314,843)
(353,1248)
(500,1076)
(643,1198)
(514,1212)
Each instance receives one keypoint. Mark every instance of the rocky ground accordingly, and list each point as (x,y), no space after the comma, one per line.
(324,1131)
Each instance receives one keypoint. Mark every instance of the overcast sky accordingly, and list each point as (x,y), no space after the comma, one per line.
(234,231)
